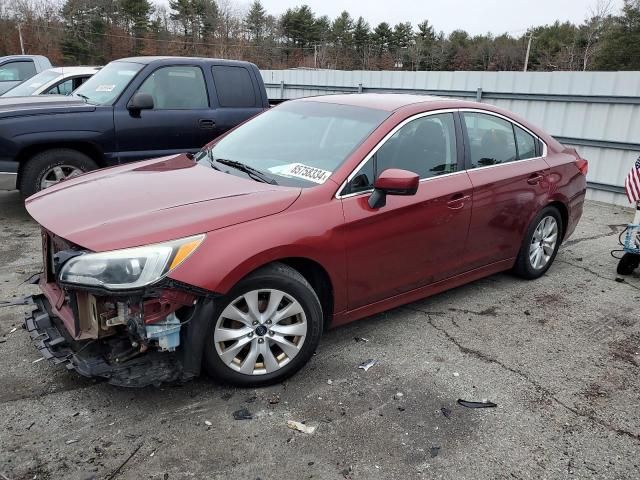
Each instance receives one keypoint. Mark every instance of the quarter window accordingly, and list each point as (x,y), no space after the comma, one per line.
(526,144)
(233,86)
(491,140)
(176,88)
(426,146)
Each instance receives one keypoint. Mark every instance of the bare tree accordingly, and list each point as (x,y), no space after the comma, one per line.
(595,25)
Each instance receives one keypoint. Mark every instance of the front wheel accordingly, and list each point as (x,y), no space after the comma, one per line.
(265,329)
(47,168)
(540,244)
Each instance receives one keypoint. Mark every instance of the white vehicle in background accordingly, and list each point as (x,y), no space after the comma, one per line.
(15,69)
(54,81)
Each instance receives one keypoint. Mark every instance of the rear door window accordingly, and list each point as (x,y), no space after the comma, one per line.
(176,88)
(17,71)
(63,88)
(234,86)
(491,139)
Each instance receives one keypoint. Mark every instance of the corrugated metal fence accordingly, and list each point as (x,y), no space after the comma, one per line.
(596,112)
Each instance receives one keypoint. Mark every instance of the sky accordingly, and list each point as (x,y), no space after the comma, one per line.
(474,16)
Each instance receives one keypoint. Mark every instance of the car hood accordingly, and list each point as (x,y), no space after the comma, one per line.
(152,201)
(41,104)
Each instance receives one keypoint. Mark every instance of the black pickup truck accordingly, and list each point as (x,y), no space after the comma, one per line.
(134,108)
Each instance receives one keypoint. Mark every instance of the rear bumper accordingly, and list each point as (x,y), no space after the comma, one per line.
(89,358)
(575,207)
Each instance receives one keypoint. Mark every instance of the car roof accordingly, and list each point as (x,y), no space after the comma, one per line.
(21,57)
(383,101)
(182,60)
(73,70)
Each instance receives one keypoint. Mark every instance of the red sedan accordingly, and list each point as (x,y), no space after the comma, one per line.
(313,214)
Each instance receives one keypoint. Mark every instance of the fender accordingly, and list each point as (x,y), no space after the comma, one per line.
(231,253)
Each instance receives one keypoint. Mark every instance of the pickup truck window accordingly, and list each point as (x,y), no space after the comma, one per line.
(17,71)
(176,88)
(107,85)
(233,86)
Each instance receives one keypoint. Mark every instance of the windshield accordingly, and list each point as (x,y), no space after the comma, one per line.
(30,86)
(107,85)
(298,143)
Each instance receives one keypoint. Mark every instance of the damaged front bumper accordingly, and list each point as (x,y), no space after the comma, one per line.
(146,336)
(89,360)
(117,358)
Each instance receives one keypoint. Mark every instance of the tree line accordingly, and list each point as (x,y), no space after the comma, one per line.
(94,32)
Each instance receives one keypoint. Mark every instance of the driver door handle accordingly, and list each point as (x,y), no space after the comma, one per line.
(457,201)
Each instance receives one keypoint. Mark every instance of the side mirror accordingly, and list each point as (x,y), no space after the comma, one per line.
(393,181)
(140,101)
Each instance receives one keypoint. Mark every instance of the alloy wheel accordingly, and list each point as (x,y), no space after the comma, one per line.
(260,332)
(57,174)
(543,242)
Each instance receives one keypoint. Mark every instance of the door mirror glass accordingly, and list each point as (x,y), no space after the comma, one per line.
(393,181)
(140,101)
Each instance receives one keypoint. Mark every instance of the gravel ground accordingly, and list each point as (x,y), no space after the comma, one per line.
(559,356)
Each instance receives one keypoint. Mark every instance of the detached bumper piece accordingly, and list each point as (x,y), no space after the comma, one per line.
(94,358)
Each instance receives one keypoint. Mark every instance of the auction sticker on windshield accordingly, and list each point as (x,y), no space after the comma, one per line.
(299,170)
(105,88)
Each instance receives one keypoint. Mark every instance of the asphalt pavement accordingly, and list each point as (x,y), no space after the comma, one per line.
(559,356)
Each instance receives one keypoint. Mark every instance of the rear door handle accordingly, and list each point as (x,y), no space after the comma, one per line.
(535,179)
(206,124)
(457,201)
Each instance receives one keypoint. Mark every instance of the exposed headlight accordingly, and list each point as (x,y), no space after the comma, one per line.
(129,268)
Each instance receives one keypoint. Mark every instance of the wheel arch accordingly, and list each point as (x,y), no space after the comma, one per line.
(88,148)
(311,269)
(561,206)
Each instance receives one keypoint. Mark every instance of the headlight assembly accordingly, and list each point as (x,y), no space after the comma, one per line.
(130,268)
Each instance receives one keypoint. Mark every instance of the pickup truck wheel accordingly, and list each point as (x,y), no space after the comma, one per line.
(265,329)
(52,166)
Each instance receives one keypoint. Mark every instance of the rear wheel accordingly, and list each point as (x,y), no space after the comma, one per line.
(47,168)
(540,244)
(265,329)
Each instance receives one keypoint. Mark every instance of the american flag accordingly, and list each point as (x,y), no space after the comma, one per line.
(632,183)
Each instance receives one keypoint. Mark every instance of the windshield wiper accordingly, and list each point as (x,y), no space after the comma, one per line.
(84,97)
(252,172)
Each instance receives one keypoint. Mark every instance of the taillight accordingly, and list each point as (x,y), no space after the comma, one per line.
(582,165)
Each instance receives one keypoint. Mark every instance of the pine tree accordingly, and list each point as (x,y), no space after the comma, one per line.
(361,38)
(382,38)
(135,16)
(342,30)
(83,41)
(255,21)
(299,26)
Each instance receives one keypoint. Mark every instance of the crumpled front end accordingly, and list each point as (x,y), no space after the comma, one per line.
(142,337)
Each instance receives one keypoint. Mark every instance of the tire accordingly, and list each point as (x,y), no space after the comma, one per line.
(628,263)
(43,163)
(524,266)
(270,282)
